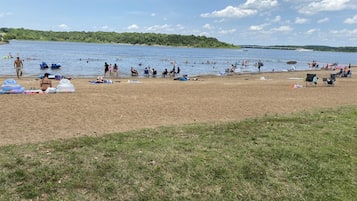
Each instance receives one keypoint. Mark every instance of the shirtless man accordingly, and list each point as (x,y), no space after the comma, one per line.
(18,65)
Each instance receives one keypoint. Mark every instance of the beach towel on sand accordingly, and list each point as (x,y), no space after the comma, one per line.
(102,82)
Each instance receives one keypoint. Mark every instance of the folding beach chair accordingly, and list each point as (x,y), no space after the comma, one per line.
(328,81)
(333,77)
(311,79)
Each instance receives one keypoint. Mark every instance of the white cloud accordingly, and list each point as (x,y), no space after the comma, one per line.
(282,29)
(260,4)
(153,14)
(5,14)
(228,31)
(220,20)
(63,26)
(345,32)
(324,5)
(349,36)
(204,34)
(249,8)
(277,19)
(311,31)
(299,20)
(231,12)
(257,27)
(165,28)
(133,27)
(352,20)
(207,26)
(159,28)
(179,27)
(323,20)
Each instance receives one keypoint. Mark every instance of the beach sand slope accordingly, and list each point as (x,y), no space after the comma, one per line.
(99,109)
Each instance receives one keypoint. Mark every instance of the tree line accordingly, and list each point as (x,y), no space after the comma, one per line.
(8,34)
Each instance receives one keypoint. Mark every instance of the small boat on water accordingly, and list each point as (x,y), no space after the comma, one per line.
(291,62)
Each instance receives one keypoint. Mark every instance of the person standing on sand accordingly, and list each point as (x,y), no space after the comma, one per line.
(18,65)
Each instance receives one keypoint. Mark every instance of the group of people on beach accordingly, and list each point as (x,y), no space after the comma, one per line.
(147,72)
(345,72)
(45,82)
(244,64)
(313,64)
(111,70)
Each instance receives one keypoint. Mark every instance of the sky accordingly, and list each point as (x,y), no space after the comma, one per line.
(239,22)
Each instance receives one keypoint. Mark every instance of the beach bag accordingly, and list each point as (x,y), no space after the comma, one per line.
(50,90)
(65,86)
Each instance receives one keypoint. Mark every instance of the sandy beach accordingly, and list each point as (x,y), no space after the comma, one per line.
(136,103)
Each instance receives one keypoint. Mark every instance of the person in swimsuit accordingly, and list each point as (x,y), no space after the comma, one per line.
(18,65)
(45,82)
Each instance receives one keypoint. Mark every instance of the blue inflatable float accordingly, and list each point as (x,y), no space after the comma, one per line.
(51,76)
(55,66)
(43,66)
(11,87)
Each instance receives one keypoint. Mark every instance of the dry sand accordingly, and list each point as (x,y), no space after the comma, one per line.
(99,109)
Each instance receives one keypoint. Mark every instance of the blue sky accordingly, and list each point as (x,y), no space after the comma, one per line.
(247,22)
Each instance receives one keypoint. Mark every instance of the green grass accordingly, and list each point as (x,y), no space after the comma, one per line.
(304,156)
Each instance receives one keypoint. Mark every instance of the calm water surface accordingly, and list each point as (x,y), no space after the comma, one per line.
(87,59)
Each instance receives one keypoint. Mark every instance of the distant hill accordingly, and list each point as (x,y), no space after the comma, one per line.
(7,34)
(305,47)
(114,37)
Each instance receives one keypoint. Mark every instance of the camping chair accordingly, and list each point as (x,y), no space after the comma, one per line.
(333,77)
(311,78)
(328,81)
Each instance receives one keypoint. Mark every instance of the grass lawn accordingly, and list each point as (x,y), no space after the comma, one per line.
(304,156)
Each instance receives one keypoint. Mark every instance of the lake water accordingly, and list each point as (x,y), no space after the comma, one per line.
(87,59)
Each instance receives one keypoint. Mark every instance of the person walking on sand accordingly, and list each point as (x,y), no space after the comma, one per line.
(18,65)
